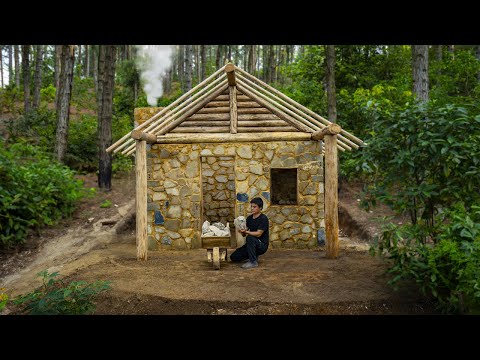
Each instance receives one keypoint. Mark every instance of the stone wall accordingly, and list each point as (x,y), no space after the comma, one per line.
(175,190)
(218,185)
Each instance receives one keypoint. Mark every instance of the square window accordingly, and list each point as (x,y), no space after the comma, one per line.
(284,186)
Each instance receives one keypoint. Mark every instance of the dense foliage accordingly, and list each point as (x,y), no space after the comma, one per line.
(35,191)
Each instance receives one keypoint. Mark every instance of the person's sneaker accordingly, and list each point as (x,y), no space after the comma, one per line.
(250,265)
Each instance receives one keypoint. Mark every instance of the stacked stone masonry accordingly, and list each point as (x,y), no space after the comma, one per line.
(177,206)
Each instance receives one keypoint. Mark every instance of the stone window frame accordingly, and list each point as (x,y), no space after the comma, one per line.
(271,187)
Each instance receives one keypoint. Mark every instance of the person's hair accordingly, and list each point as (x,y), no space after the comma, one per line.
(257,201)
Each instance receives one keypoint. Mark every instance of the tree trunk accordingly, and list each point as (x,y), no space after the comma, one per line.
(236,55)
(86,62)
(1,66)
(78,69)
(10,65)
(438,52)
(58,69)
(203,55)
(38,77)
(188,67)
(106,76)
(26,78)
(331,95)
(218,57)
(478,58)
(67,54)
(250,63)
(420,72)
(95,66)
(181,66)
(17,66)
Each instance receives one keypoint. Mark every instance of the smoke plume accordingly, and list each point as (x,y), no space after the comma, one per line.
(153,62)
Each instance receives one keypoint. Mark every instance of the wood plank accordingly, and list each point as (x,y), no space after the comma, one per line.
(203,129)
(189,123)
(209,117)
(215,241)
(266,129)
(258,110)
(218,104)
(243,98)
(248,104)
(258,116)
(268,122)
(141,199)
(232,138)
(214,110)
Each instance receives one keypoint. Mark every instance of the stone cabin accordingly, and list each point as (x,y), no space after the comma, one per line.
(229,139)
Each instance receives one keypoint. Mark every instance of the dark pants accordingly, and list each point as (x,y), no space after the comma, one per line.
(251,250)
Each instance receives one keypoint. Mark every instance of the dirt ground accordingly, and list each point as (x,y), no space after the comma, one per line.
(99,244)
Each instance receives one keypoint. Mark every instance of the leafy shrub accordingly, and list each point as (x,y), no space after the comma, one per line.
(448,271)
(55,297)
(35,190)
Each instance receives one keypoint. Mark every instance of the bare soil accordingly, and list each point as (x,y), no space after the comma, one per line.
(99,244)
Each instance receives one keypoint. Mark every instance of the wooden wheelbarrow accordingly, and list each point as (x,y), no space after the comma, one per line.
(216,249)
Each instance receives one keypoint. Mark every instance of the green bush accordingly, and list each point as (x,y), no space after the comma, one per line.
(35,190)
(448,271)
(55,297)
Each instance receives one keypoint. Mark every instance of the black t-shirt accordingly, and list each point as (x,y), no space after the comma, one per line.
(260,223)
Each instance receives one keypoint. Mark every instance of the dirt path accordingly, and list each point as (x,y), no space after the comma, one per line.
(183,282)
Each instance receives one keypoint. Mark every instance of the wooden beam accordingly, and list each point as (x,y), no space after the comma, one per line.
(297,114)
(230,70)
(218,110)
(190,112)
(331,196)
(149,121)
(233,107)
(296,104)
(291,121)
(141,198)
(140,135)
(231,138)
(257,110)
(209,117)
(180,109)
(226,129)
(332,129)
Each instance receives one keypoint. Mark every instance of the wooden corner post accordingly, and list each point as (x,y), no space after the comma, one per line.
(141,138)
(329,135)
(141,198)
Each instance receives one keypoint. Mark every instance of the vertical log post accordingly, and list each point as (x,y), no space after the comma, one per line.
(230,70)
(329,135)
(141,198)
(331,196)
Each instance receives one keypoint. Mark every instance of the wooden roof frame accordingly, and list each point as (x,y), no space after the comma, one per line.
(162,127)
